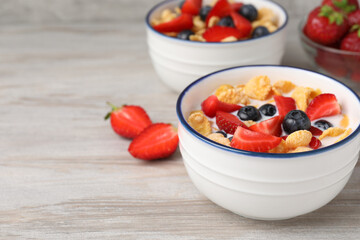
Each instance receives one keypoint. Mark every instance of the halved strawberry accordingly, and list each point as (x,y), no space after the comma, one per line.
(248,140)
(284,104)
(221,9)
(157,141)
(315,143)
(191,7)
(323,105)
(129,120)
(182,22)
(228,122)
(270,126)
(326,26)
(212,104)
(218,33)
(236,6)
(242,24)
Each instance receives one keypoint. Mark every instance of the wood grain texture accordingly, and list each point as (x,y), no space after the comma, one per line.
(65,175)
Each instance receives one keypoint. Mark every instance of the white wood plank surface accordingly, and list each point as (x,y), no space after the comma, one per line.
(65,175)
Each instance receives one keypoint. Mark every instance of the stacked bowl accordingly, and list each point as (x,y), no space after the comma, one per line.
(263,185)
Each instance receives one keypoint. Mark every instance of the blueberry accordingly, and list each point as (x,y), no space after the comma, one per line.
(249,113)
(181,4)
(223,133)
(226,22)
(323,124)
(249,12)
(185,34)
(260,32)
(296,120)
(268,110)
(204,11)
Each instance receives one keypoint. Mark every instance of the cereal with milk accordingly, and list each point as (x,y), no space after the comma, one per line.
(248,117)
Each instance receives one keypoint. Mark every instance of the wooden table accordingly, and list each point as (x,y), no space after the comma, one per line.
(64,174)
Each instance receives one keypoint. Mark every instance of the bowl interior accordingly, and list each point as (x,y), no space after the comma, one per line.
(191,98)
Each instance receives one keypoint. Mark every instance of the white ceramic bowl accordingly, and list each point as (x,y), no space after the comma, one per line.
(180,62)
(262,185)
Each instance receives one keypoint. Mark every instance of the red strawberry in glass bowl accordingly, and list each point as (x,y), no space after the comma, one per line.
(346,6)
(351,43)
(354,18)
(326,26)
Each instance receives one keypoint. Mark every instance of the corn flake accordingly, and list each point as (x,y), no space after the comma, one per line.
(198,24)
(213,21)
(249,123)
(281,148)
(344,135)
(332,132)
(223,88)
(299,138)
(200,123)
(266,14)
(258,88)
(233,96)
(229,39)
(283,86)
(197,38)
(300,149)
(301,95)
(344,121)
(167,15)
(219,138)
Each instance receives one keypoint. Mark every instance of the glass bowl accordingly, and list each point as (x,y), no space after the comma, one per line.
(340,64)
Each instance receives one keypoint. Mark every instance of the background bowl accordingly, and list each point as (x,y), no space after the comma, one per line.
(262,185)
(180,62)
(342,65)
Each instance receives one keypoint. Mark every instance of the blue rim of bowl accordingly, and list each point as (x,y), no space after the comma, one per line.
(147,21)
(257,154)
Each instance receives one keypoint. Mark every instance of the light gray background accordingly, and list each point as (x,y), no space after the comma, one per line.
(63,11)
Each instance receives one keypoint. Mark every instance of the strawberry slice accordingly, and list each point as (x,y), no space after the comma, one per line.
(315,143)
(315,131)
(242,24)
(221,9)
(129,120)
(157,141)
(191,7)
(270,126)
(236,6)
(182,22)
(323,105)
(212,104)
(218,33)
(248,140)
(228,122)
(284,104)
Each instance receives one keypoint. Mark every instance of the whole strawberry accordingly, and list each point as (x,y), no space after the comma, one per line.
(346,6)
(354,18)
(351,42)
(326,26)
(129,120)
